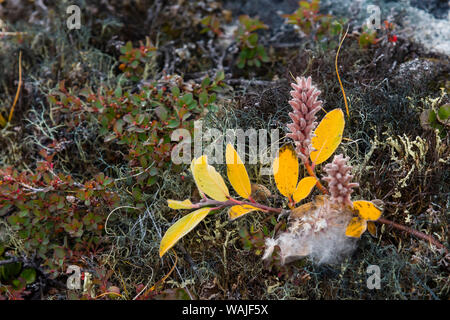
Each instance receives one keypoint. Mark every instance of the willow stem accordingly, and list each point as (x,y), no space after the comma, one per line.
(313,174)
(416,233)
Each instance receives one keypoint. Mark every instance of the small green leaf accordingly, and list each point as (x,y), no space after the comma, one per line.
(162,113)
(110,137)
(118,92)
(187,98)
(203,98)
(134,64)
(128,118)
(444,112)
(175,91)
(174,123)
(29,275)
(59,253)
(432,117)
(118,126)
(206,82)
(220,76)
(253,40)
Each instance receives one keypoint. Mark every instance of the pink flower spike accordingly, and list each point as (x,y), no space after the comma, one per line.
(305,105)
(339,180)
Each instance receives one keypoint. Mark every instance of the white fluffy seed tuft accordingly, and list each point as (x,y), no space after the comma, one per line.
(318,234)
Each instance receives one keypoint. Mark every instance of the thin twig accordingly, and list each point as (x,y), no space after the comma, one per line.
(9,261)
(7,33)
(163,279)
(416,233)
(252,82)
(313,174)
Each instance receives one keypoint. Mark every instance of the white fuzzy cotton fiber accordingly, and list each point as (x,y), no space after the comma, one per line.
(319,234)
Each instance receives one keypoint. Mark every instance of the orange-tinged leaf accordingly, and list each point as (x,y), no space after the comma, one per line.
(356,227)
(285,171)
(327,136)
(300,211)
(180,228)
(367,210)
(307,207)
(304,188)
(175,204)
(208,180)
(237,174)
(239,210)
(372,228)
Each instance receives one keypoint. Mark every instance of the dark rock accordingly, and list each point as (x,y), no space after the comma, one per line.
(417,71)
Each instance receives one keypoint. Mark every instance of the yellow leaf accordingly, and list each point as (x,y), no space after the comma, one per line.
(367,210)
(327,136)
(208,180)
(195,180)
(372,228)
(174,204)
(237,174)
(285,171)
(304,188)
(240,210)
(180,228)
(356,227)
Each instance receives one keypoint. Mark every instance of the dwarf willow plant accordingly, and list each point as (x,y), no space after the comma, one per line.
(320,145)
(251,52)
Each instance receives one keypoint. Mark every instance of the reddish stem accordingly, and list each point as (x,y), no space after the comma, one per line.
(313,174)
(416,233)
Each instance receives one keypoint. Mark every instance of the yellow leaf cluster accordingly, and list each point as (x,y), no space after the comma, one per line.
(209,182)
(367,213)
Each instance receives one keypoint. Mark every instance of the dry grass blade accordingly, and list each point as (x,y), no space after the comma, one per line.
(160,282)
(337,72)
(2,121)
(11,113)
